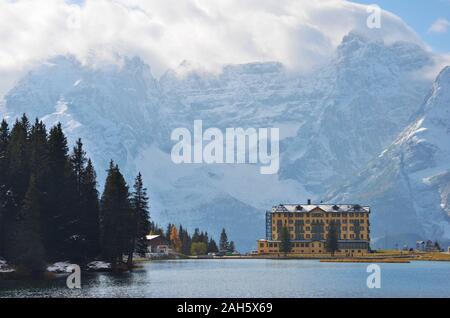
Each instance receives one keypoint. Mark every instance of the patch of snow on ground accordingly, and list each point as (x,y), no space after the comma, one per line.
(60,267)
(4,267)
(98,265)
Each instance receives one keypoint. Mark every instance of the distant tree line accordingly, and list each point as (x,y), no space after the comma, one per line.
(199,243)
(50,207)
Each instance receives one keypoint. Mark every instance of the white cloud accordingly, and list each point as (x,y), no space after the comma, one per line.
(439,26)
(298,33)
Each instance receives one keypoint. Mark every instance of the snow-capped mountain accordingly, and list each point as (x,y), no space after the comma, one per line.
(332,122)
(409,183)
(360,101)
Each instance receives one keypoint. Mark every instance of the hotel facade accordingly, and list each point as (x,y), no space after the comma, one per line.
(308,227)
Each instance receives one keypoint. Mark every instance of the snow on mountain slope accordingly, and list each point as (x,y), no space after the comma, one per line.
(408,185)
(362,100)
(112,108)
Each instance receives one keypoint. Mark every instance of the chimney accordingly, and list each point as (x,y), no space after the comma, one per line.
(309,201)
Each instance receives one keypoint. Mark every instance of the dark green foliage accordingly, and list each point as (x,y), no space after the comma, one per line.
(18,160)
(231,247)
(437,246)
(85,244)
(28,253)
(212,246)
(89,212)
(223,243)
(60,217)
(286,245)
(332,238)
(4,142)
(116,217)
(140,205)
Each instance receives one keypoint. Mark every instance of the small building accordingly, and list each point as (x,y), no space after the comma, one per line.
(420,245)
(157,244)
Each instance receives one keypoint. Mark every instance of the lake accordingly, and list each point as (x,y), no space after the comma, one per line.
(248,278)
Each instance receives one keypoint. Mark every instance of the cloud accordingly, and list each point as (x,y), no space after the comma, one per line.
(439,26)
(210,33)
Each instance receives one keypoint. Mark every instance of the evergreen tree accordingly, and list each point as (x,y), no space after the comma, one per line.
(186,242)
(61,219)
(4,141)
(116,217)
(29,252)
(16,178)
(332,238)
(196,236)
(437,246)
(18,159)
(39,154)
(89,211)
(78,160)
(139,202)
(168,230)
(231,247)
(286,245)
(212,246)
(223,243)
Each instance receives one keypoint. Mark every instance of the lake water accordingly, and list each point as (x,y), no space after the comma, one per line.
(248,278)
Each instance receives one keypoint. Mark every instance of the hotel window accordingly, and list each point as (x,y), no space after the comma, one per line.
(308,236)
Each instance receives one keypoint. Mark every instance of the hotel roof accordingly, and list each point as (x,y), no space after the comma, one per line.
(334,208)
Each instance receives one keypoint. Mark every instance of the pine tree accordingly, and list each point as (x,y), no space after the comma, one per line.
(186,242)
(223,243)
(231,247)
(90,211)
(286,245)
(39,153)
(332,238)
(18,159)
(4,141)
(61,219)
(212,246)
(78,160)
(116,217)
(29,252)
(139,202)
(17,178)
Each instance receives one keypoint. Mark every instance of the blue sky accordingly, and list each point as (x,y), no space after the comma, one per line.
(420,15)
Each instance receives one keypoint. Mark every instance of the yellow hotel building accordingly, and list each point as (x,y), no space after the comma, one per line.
(308,226)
